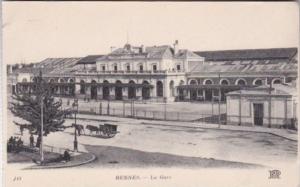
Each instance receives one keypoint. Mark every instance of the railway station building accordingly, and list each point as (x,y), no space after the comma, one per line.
(159,73)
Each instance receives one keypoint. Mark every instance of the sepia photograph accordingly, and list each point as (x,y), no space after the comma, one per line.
(150,94)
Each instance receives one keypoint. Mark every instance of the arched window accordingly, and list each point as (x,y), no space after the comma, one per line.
(82,87)
(141,67)
(131,90)
(207,81)
(172,94)
(154,67)
(24,80)
(159,89)
(193,92)
(224,82)
(105,90)
(241,82)
(146,90)
(93,89)
(34,79)
(258,82)
(71,87)
(180,91)
(127,67)
(276,81)
(193,82)
(118,90)
(115,67)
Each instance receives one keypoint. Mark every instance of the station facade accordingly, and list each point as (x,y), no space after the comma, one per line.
(160,73)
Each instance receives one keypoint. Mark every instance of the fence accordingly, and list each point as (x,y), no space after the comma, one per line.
(46,148)
(154,115)
(210,114)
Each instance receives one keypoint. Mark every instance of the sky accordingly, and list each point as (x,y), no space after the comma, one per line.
(33,31)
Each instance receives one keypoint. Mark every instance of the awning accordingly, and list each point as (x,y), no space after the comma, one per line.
(212,86)
(90,84)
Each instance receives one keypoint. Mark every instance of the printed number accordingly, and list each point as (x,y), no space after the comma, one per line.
(17,178)
(274,174)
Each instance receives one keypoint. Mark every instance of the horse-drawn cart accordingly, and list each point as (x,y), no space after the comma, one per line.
(107,130)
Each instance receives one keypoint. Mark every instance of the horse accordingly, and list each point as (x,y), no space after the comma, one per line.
(92,129)
(79,128)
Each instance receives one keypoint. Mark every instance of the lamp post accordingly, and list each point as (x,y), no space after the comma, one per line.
(75,104)
(165,108)
(270,105)
(42,130)
(219,104)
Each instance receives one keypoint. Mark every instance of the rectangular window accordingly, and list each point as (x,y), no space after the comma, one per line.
(178,67)
(128,68)
(141,67)
(154,68)
(115,68)
(103,68)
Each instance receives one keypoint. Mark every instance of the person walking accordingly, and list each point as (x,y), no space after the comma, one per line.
(38,142)
(21,130)
(19,145)
(31,140)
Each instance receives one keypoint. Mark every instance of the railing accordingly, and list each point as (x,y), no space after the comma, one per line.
(46,148)
(130,72)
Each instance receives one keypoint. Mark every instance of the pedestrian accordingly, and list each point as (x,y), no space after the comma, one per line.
(75,146)
(10,144)
(14,143)
(21,130)
(19,145)
(31,140)
(38,141)
(67,156)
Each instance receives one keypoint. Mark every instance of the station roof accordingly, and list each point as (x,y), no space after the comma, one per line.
(276,90)
(51,65)
(90,59)
(248,54)
(248,61)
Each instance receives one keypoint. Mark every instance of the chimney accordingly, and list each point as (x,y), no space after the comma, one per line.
(112,48)
(175,46)
(10,68)
(142,49)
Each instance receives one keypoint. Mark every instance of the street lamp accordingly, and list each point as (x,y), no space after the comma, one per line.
(165,108)
(75,104)
(42,129)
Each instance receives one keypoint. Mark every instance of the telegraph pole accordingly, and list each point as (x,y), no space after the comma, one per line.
(165,108)
(270,104)
(42,130)
(219,104)
(75,126)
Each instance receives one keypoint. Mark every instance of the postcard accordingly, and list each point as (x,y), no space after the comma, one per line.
(198,94)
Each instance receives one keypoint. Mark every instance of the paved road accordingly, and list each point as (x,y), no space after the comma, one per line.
(247,147)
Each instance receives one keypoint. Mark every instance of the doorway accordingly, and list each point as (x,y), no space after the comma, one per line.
(94,90)
(258,110)
(119,90)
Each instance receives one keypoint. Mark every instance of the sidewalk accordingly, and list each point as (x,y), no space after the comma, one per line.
(77,160)
(284,133)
